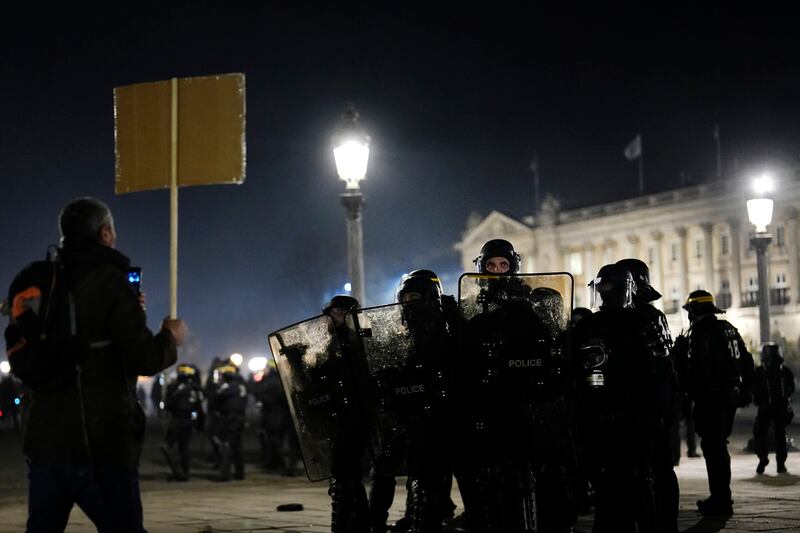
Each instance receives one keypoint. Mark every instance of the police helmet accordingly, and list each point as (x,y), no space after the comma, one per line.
(498,248)
(701,302)
(186,372)
(771,354)
(612,287)
(641,276)
(423,282)
(227,372)
(340,301)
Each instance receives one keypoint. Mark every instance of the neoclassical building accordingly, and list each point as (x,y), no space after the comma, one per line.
(694,237)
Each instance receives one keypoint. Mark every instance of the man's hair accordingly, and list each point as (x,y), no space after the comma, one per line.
(84,218)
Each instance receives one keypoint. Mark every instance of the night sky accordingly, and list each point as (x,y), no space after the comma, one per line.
(455,101)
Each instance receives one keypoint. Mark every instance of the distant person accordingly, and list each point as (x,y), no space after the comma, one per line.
(279,447)
(715,371)
(228,405)
(183,400)
(773,386)
(83,439)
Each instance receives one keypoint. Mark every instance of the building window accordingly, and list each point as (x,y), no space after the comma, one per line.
(724,295)
(780,236)
(698,249)
(724,243)
(779,295)
(750,297)
(674,252)
(673,305)
(575,263)
(651,256)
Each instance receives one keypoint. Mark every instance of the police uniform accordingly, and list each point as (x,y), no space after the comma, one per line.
(229,404)
(773,386)
(183,401)
(618,410)
(658,338)
(715,371)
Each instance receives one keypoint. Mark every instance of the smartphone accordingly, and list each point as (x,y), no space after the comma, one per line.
(135,279)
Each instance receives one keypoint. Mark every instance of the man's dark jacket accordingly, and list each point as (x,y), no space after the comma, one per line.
(112,324)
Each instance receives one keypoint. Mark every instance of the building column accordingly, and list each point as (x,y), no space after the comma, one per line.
(609,251)
(736,263)
(793,275)
(635,247)
(657,269)
(708,259)
(589,267)
(683,263)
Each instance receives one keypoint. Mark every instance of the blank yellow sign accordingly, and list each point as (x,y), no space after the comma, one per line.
(211,133)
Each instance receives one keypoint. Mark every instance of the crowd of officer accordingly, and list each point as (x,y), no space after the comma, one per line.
(538,415)
(218,407)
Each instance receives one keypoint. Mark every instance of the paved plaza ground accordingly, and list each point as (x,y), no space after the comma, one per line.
(768,502)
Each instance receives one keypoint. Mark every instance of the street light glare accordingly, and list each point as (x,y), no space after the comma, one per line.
(237,359)
(759,211)
(257,364)
(352,157)
(764,184)
(348,287)
(5,368)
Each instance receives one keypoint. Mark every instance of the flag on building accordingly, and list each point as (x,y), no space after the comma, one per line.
(634,148)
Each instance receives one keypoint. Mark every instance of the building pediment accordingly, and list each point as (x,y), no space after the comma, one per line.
(496,225)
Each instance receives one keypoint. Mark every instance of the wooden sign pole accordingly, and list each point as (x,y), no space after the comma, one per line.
(173,200)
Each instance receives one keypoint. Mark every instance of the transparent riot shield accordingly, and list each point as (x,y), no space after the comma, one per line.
(550,294)
(404,346)
(310,362)
(514,344)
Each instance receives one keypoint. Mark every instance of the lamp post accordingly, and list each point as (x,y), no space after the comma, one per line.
(351,152)
(759,211)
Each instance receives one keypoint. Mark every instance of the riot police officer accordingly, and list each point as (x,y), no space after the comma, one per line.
(659,338)
(715,371)
(773,385)
(229,404)
(506,348)
(276,434)
(349,508)
(617,412)
(427,417)
(183,401)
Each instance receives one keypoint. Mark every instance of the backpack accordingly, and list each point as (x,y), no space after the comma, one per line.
(42,345)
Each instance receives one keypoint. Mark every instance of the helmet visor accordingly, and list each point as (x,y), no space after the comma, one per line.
(611,292)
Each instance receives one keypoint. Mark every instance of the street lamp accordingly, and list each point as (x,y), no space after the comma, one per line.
(351,152)
(236,359)
(759,211)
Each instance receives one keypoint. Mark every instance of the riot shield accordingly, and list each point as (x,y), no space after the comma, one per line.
(405,349)
(514,346)
(551,293)
(311,366)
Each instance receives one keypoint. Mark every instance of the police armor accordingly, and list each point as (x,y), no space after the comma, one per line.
(319,386)
(512,386)
(619,412)
(183,401)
